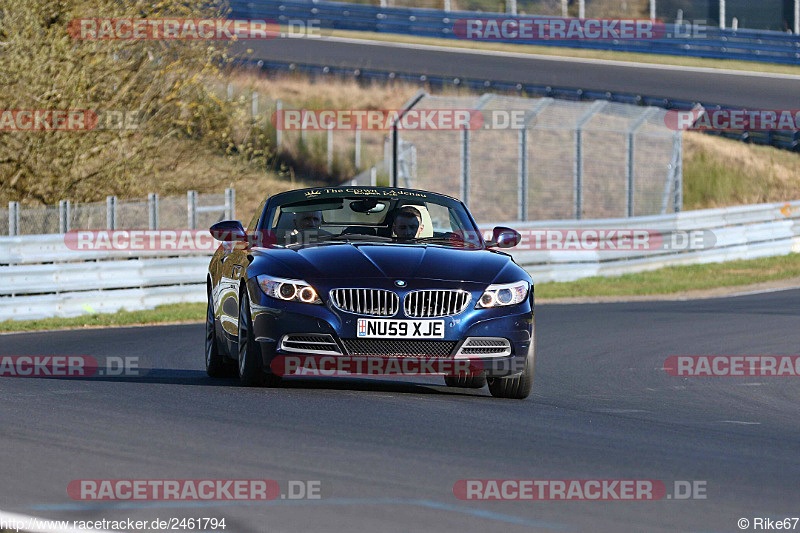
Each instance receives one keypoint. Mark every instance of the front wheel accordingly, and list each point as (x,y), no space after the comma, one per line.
(515,387)
(216,366)
(251,373)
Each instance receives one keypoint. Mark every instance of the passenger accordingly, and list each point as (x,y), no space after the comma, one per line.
(407,223)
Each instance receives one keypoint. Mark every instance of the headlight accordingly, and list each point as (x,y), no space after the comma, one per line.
(503,294)
(288,290)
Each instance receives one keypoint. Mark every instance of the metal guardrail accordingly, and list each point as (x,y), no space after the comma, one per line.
(43,277)
(786,140)
(742,44)
(78,283)
(742,232)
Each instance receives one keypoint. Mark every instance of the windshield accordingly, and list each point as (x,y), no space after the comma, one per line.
(375,218)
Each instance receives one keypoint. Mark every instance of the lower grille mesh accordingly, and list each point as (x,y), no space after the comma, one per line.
(309,343)
(407,348)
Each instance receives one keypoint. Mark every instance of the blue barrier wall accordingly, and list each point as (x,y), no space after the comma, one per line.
(683,40)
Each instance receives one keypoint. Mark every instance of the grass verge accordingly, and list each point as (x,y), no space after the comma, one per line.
(609,55)
(720,172)
(159,315)
(665,281)
(678,279)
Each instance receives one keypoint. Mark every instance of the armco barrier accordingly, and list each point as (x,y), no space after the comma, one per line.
(746,45)
(742,232)
(41,277)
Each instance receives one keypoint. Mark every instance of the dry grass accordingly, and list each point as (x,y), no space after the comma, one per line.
(722,172)
(328,93)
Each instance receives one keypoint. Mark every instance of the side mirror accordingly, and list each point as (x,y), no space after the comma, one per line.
(504,238)
(229,231)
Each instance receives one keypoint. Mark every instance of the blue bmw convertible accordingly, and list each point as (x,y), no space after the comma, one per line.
(372,272)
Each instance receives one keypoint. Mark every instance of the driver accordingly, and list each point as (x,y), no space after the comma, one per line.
(307,220)
(306,227)
(407,223)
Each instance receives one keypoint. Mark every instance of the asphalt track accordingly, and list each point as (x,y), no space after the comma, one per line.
(717,87)
(387,452)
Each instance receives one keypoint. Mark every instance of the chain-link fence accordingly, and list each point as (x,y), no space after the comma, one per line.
(543,159)
(194,211)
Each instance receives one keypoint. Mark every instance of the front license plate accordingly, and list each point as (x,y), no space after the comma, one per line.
(374,328)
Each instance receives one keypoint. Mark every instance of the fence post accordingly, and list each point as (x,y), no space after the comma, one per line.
(111,212)
(329,146)
(395,135)
(511,7)
(578,177)
(357,156)
(565,8)
(230,204)
(465,166)
(63,216)
(630,151)
(278,122)
(582,9)
(797,17)
(152,210)
(393,167)
(13,218)
(373,176)
(254,106)
(447,5)
(191,208)
(678,187)
(652,9)
(523,181)
(722,14)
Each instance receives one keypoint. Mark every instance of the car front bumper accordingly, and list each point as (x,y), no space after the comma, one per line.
(273,319)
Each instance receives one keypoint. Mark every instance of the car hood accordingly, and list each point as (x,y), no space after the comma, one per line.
(348,261)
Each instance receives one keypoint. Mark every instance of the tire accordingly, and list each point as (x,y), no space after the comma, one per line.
(516,387)
(216,365)
(465,382)
(251,373)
